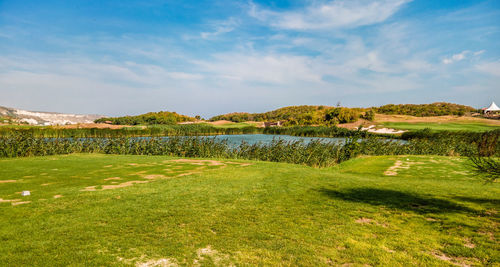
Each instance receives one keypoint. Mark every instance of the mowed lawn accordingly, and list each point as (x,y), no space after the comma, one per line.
(437,126)
(93,209)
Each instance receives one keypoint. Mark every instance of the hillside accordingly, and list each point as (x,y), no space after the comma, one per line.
(292,115)
(151,118)
(43,118)
(425,110)
(327,115)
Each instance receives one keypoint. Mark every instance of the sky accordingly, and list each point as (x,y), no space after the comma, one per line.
(206,58)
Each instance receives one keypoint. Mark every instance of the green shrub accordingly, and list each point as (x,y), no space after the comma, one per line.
(341,115)
(369,115)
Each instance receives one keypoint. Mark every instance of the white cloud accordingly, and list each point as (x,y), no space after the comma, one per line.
(480,52)
(332,14)
(461,56)
(265,68)
(185,76)
(456,57)
(492,68)
(220,28)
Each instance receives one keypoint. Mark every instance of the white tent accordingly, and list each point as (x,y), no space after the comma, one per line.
(492,107)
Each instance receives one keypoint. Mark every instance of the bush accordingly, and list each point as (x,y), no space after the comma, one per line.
(369,115)
(341,115)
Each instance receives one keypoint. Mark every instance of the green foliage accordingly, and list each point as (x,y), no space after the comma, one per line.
(293,115)
(341,115)
(298,115)
(5,120)
(424,110)
(486,167)
(151,118)
(152,130)
(369,115)
(315,153)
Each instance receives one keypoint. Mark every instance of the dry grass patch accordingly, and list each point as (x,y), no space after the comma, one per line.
(399,165)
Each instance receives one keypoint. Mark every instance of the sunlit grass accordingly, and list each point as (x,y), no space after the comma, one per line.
(474,127)
(252,213)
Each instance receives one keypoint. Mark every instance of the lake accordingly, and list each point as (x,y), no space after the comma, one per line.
(235,140)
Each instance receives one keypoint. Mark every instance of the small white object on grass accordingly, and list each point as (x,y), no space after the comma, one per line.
(25,193)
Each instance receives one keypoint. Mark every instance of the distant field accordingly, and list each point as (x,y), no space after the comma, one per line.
(438,126)
(102,210)
(235,124)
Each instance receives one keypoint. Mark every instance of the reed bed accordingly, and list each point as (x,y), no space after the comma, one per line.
(187,130)
(315,153)
(156,130)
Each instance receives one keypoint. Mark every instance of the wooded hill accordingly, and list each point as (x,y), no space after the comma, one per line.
(151,118)
(425,110)
(302,115)
(326,115)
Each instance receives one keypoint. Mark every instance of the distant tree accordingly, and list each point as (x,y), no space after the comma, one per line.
(369,115)
(424,110)
(341,115)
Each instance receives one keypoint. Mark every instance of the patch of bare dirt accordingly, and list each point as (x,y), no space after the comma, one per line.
(90,188)
(8,200)
(155,176)
(57,196)
(187,173)
(239,163)
(112,178)
(159,262)
(202,164)
(370,221)
(355,125)
(202,255)
(457,261)
(363,220)
(7,181)
(468,243)
(198,162)
(20,203)
(398,165)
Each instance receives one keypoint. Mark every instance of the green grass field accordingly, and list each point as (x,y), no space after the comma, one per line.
(232,125)
(93,209)
(474,127)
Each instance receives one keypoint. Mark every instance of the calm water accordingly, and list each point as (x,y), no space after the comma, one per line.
(265,139)
(235,140)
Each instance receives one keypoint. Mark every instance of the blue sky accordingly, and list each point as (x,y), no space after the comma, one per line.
(213,57)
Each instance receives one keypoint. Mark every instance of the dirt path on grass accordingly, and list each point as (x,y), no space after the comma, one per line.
(400,165)
(169,172)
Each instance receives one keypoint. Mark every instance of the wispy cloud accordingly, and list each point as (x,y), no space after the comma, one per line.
(456,57)
(461,56)
(332,14)
(220,28)
(261,68)
(492,68)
